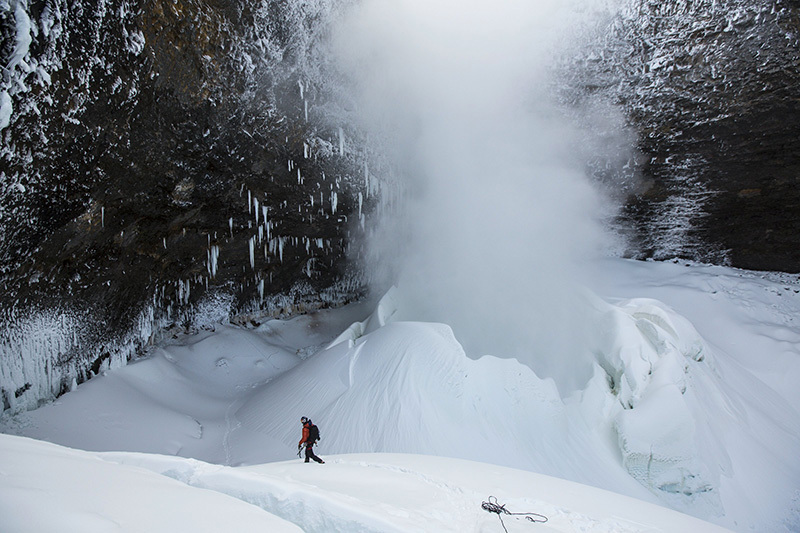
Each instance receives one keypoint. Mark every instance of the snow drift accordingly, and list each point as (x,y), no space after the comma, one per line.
(668,415)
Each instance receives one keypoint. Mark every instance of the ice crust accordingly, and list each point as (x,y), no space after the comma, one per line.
(651,355)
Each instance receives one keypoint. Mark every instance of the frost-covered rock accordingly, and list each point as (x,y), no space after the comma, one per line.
(149,152)
(710,89)
(6,109)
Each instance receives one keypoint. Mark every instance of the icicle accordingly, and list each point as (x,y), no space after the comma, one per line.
(251,243)
(230,225)
(302,89)
(299,177)
(334,201)
(360,202)
(341,141)
(184,291)
(305,109)
(164,241)
(305,151)
(255,207)
(261,289)
(249,202)
(213,258)
(102,217)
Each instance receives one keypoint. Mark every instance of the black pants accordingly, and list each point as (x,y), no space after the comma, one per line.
(311,455)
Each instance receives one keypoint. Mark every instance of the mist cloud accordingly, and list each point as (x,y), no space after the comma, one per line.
(497,216)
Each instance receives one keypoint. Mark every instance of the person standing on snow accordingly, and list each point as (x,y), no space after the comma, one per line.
(310,436)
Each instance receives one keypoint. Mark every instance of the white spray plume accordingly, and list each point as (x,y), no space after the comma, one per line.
(498,213)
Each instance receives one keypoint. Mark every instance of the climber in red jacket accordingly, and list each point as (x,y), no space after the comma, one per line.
(310,437)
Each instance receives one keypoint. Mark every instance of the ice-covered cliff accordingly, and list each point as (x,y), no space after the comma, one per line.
(170,164)
(710,88)
(165,163)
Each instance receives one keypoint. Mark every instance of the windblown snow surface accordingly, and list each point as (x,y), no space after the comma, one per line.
(692,406)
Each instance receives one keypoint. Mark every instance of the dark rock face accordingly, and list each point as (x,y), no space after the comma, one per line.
(712,89)
(163,154)
(167,163)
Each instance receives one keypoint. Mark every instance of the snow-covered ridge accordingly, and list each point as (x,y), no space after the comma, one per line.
(362,492)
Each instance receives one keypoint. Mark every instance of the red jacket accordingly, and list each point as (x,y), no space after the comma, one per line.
(305,435)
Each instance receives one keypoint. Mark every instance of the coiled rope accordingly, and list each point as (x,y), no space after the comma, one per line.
(493,506)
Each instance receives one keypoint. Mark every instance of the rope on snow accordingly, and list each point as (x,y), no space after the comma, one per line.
(493,506)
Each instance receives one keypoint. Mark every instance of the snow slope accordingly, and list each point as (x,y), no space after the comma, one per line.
(86,491)
(45,487)
(690,404)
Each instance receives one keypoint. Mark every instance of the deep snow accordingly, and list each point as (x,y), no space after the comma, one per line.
(691,405)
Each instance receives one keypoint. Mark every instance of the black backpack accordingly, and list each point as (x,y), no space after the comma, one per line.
(313,433)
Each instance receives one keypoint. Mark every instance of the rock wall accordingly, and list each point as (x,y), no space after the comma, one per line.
(157,156)
(711,88)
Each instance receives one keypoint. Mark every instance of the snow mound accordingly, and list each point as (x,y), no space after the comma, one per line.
(408,387)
